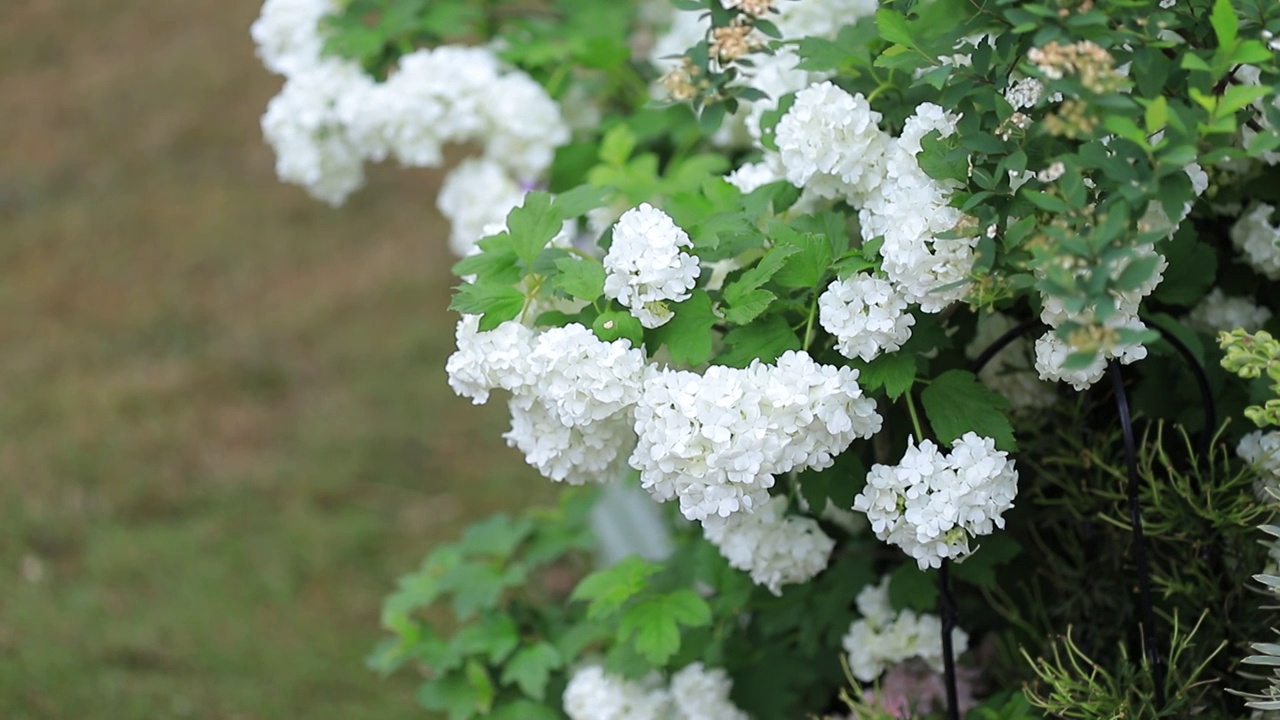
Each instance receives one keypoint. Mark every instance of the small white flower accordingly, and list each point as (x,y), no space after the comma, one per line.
(775,548)
(866,315)
(1218,312)
(882,637)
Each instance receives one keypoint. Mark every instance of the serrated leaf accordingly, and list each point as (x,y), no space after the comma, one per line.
(895,372)
(477,586)
(495,304)
(893,27)
(765,339)
(494,637)
(496,536)
(609,589)
(454,694)
(582,279)
(956,403)
(617,145)
(532,225)
(687,336)
(653,625)
(1226,25)
(806,268)
(748,306)
(531,667)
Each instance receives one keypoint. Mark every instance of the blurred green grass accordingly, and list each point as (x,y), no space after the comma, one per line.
(224,422)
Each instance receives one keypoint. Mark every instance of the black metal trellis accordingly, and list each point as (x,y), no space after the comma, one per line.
(1150,642)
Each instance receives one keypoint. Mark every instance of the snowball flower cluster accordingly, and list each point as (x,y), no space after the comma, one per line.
(476,194)
(1258,240)
(775,548)
(715,441)
(572,393)
(931,504)
(883,637)
(1218,312)
(1010,372)
(695,693)
(646,267)
(1262,451)
(866,315)
(331,117)
(1052,351)
(830,143)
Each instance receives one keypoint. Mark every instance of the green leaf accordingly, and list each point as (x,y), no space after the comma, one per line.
(532,225)
(618,144)
(1156,114)
(573,203)
(653,625)
(1137,272)
(614,324)
(1226,25)
(495,636)
(895,372)
(989,552)
(748,306)
(582,279)
(765,338)
(1045,201)
(455,694)
(911,588)
(688,334)
(893,28)
(496,536)
(523,709)
(609,589)
(531,667)
(956,403)
(478,586)
(805,268)
(495,304)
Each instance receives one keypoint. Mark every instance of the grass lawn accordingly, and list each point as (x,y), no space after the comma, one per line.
(224,422)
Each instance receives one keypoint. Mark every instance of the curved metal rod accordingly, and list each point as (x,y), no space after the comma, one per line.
(950,615)
(1202,384)
(1147,608)
(1001,343)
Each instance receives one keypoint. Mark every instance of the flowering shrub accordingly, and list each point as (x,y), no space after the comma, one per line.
(837,281)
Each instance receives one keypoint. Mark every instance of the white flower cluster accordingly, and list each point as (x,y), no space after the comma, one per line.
(1024,93)
(1218,312)
(646,266)
(695,693)
(478,193)
(775,548)
(1011,371)
(331,117)
(1052,351)
(1262,451)
(866,315)
(572,393)
(931,504)
(715,441)
(882,637)
(830,144)
(1259,240)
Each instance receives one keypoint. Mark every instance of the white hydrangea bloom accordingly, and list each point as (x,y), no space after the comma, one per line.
(775,548)
(830,142)
(287,33)
(882,637)
(1218,312)
(303,124)
(866,315)
(819,18)
(646,267)
(1259,240)
(910,209)
(715,441)
(931,504)
(476,194)
(752,176)
(573,454)
(1024,93)
(593,694)
(699,693)
(572,393)
(525,125)
(1261,449)
(775,75)
(1010,372)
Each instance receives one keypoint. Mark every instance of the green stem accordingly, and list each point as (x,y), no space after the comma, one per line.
(808,325)
(915,418)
